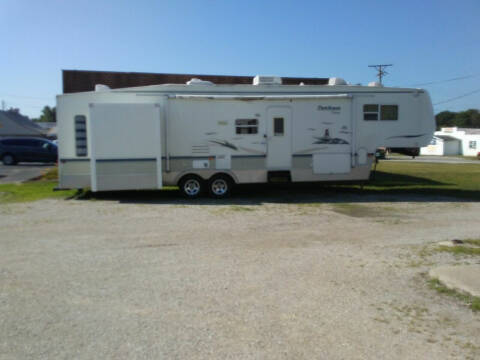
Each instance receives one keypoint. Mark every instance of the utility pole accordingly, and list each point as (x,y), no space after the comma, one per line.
(3,105)
(380,70)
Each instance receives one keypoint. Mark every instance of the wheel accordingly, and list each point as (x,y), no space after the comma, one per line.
(220,186)
(8,159)
(191,186)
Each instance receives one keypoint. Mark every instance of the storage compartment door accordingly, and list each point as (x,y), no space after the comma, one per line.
(331,163)
(125,146)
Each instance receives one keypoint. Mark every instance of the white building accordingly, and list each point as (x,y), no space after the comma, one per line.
(454,141)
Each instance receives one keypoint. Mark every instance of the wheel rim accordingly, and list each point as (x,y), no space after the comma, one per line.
(8,159)
(219,187)
(191,187)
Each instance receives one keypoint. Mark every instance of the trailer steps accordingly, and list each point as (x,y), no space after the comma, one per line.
(279,176)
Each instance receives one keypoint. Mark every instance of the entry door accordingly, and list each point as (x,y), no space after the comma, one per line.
(279,138)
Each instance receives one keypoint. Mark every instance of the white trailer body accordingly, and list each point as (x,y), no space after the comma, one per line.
(153,136)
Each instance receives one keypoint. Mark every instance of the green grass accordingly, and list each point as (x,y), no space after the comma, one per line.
(457,180)
(474,242)
(360,211)
(472,301)
(469,247)
(460,250)
(395,178)
(33,190)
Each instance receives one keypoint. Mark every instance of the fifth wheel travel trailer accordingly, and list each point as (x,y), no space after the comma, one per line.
(207,137)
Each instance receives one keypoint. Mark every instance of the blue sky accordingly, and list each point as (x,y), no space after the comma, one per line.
(426,40)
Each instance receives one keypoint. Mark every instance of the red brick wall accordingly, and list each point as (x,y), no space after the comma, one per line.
(80,80)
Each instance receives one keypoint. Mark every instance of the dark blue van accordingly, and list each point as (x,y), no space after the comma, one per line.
(14,150)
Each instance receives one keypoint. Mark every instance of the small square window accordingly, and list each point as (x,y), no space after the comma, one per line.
(278,126)
(370,112)
(246,126)
(370,116)
(472,144)
(370,108)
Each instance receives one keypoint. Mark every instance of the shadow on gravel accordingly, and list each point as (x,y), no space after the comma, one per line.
(385,187)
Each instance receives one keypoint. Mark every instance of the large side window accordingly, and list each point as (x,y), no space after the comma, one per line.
(370,112)
(373,112)
(246,126)
(389,112)
(81,135)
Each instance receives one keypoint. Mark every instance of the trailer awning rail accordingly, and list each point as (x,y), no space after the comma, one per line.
(260,97)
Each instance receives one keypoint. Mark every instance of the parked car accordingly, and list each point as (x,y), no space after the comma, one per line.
(380,153)
(14,150)
(405,151)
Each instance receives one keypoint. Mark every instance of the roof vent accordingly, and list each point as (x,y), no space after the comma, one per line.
(375,84)
(196,81)
(101,87)
(336,81)
(267,80)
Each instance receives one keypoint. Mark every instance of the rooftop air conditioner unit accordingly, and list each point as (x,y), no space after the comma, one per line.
(267,80)
(195,81)
(101,87)
(336,81)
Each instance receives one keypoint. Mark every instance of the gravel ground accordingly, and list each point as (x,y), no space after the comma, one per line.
(254,280)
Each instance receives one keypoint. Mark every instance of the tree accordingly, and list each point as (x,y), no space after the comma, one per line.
(444,119)
(465,119)
(48,115)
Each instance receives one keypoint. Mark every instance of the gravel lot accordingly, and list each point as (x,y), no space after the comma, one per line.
(303,278)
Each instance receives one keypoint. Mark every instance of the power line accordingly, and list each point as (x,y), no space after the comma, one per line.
(458,97)
(380,70)
(448,80)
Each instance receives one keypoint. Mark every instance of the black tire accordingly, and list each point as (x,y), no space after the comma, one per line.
(8,159)
(191,186)
(220,186)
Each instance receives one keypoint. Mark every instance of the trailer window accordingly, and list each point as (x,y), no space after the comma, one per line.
(246,126)
(389,112)
(278,126)
(81,135)
(370,112)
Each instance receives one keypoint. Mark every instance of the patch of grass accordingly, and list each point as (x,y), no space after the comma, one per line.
(472,301)
(51,174)
(362,211)
(457,180)
(33,190)
(474,242)
(459,250)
